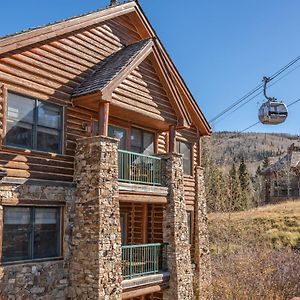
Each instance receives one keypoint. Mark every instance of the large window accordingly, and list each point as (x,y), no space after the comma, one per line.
(142,141)
(33,124)
(185,149)
(30,233)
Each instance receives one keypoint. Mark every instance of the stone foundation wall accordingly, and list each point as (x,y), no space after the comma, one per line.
(175,229)
(96,262)
(38,280)
(202,274)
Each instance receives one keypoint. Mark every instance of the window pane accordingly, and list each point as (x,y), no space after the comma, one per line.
(19,134)
(136,140)
(20,108)
(186,150)
(148,143)
(16,234)
(46,232)
(49,115)
(48,140)
(118,133)
(95,130)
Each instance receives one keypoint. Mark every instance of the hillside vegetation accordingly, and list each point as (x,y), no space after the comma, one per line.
(229,147)
(256,253)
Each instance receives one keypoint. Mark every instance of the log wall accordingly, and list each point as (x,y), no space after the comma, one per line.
(51,70)
(137,223)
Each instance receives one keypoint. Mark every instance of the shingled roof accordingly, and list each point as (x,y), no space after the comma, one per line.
(109,68)
(290,160)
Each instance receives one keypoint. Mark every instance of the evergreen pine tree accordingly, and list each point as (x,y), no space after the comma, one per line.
(258,171)
(247,195)
(235,191)
(266,162)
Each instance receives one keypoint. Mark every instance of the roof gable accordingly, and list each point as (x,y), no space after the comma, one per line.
(108,69)
(113,70)
(134,11)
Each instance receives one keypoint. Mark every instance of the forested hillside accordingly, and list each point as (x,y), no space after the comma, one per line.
(229,147)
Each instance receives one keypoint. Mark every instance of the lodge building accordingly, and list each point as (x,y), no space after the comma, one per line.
(101,185)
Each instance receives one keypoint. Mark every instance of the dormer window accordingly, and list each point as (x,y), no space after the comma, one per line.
(33,124)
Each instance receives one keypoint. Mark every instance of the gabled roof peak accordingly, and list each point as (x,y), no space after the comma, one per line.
(109,68)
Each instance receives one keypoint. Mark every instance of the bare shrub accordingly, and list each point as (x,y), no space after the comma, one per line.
(257,274)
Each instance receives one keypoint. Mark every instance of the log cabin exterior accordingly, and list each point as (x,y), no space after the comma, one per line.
(101,181)
(282,178)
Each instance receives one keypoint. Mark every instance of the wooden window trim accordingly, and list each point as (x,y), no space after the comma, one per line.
(191,176)
(125,214)
(4,110)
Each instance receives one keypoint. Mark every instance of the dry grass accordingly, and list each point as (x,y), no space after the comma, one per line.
(253,253)
(277,225)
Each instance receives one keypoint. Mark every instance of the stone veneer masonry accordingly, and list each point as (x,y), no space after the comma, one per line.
(95,270)
(175,232)
(38,280)
(91,263)
(202,274)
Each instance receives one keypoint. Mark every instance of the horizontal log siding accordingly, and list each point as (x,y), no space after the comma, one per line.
(155,223)
(143,90)
(134,215)
(162,143)
(50,71)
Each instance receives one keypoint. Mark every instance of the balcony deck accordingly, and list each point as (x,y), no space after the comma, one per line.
(139,168)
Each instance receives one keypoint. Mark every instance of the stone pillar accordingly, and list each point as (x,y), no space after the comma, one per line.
(175,232)
(202,274)
(95,270)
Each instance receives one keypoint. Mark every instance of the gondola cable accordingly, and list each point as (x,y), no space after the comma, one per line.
(276,74)
(256,95)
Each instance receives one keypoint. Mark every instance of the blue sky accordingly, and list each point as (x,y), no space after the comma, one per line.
(222,48)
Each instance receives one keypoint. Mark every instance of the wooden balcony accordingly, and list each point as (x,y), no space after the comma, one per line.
(139,168)
(143,260)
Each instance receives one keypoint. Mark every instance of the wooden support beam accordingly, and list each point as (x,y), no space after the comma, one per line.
(172,139)
(141,291)
(103,118)
(199,146)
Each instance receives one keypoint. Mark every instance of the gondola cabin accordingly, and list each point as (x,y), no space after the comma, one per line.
(272,113)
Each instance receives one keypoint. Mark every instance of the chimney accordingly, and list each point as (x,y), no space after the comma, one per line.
(113,2)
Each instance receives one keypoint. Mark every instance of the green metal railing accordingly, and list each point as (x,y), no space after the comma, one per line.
(141,260)
(139,168)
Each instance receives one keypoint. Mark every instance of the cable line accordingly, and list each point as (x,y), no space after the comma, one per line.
(289,105)
(253,91)
(259,93)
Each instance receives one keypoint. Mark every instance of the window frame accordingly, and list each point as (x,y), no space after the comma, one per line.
(143,131)
(124,225)
(180,141)
(35,125)
(31,243)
